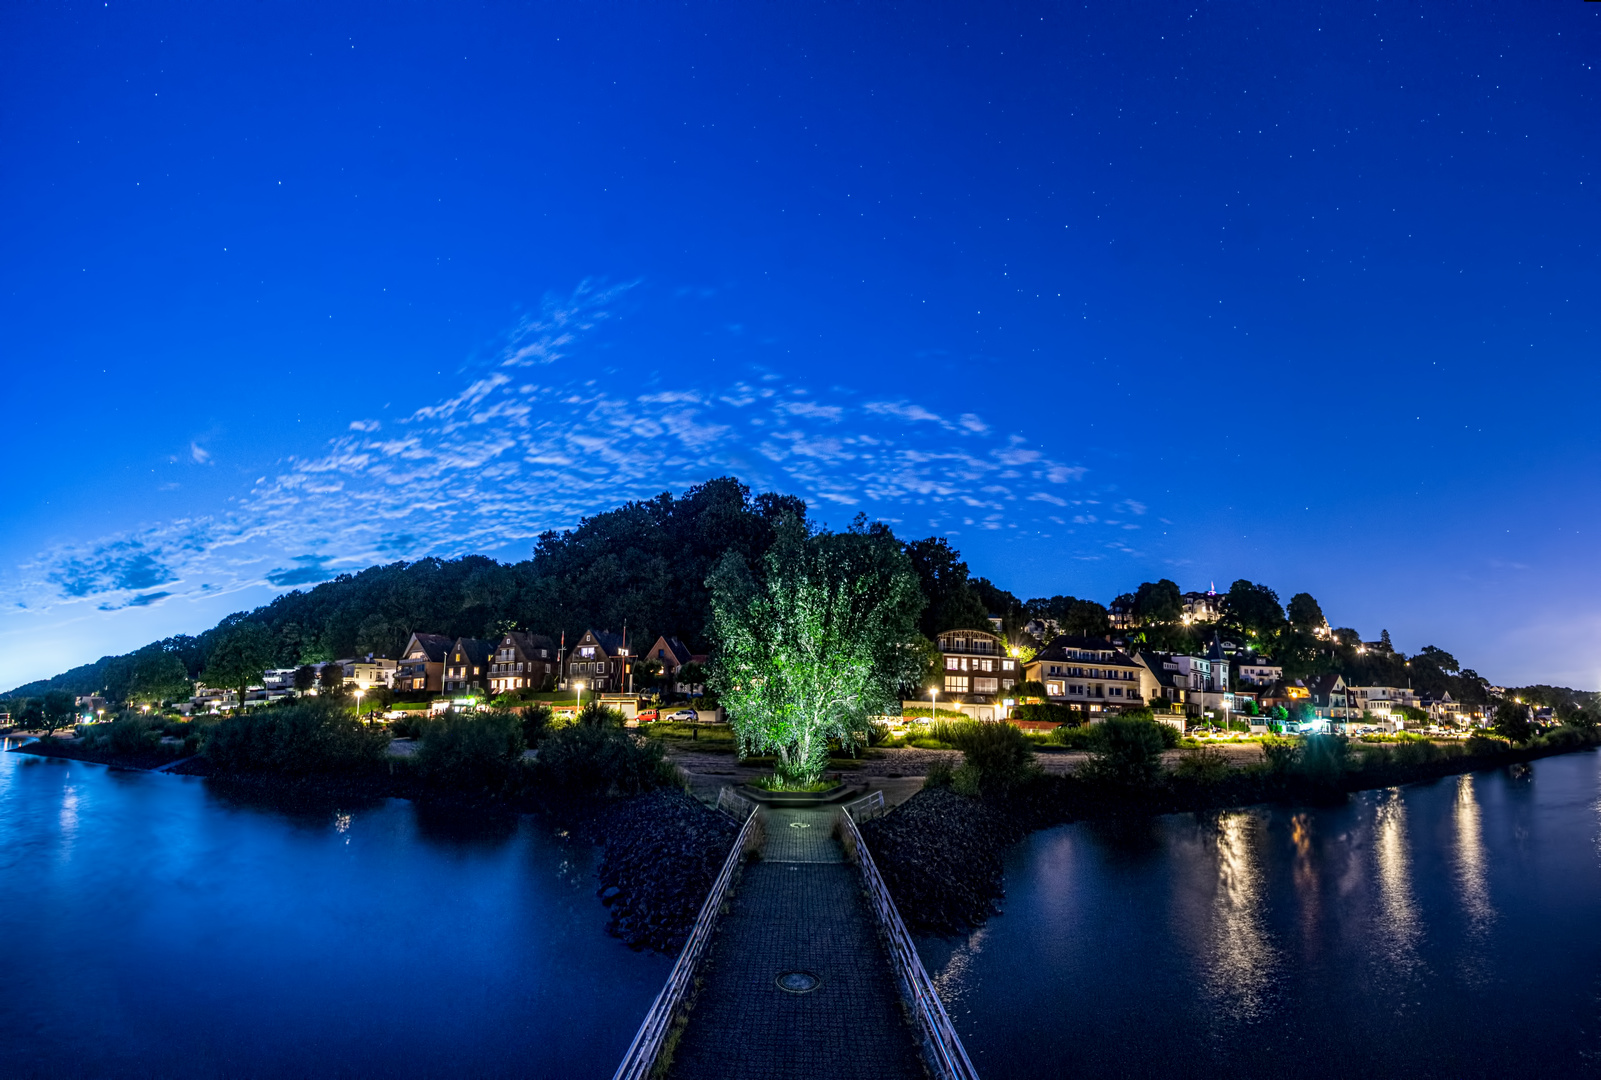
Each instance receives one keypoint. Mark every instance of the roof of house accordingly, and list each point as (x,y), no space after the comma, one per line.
(1062,648)
(1323,685)
(477,652)
(530,644)
(608,641)
(434,645)
(679,651)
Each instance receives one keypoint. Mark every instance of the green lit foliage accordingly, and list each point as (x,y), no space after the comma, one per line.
(814,641)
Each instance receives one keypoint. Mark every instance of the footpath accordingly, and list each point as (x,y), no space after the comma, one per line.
(797,985)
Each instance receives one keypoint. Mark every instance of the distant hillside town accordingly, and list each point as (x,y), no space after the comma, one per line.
(619,607)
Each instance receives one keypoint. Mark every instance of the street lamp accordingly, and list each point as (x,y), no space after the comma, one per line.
(579,686)
(933,704)
(359,692)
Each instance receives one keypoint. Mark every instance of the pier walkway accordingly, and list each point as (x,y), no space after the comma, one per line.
(800,912)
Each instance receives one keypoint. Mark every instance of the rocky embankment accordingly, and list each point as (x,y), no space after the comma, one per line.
(940,854)
(662,853)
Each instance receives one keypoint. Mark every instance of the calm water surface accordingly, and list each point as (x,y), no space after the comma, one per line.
(1447,929)
(156,928)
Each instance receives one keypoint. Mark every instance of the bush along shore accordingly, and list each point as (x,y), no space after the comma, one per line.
(598,782)
(941,852)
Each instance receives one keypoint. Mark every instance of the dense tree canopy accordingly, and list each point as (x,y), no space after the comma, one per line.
(1253,608)
(812,640)
(1158,602)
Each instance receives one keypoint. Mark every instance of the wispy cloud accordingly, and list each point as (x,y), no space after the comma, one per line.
(525,448)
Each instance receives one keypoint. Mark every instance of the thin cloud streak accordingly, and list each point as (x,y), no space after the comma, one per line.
(514,454)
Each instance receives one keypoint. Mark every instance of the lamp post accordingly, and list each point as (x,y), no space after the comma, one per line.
(359,692)
(579,686)
(933,704)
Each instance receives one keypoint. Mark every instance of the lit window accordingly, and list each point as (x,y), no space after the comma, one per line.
(952,664)
(986,686)
(956,684)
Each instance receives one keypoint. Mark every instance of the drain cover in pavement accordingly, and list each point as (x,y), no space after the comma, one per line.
(798,982)
(800,825)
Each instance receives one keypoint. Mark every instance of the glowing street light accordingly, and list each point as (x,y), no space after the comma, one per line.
(359,692)
(579,686)
(933,704)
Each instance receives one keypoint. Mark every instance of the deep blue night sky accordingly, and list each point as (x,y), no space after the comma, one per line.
(1105,292)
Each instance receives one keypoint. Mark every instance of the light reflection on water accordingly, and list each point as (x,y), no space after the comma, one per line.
(1398,944)
(1473,881)
(1242,958)
(1353,940)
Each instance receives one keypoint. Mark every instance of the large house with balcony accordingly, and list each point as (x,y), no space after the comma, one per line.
(1089,672)
(421,667)
(520,661)
(599,662)
(467,664)
(980,672)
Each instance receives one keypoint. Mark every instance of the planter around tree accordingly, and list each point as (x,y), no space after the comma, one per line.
(794,798)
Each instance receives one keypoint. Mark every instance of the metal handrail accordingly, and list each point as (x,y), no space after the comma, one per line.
(941,1043)
(867,808)
(735,805)
(640,1060)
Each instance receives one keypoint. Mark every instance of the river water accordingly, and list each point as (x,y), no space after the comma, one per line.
(154,927)
(1448,929)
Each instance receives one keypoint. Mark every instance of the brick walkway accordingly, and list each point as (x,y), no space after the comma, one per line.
(800,908)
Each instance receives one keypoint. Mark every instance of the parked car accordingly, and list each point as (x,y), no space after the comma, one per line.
(685,716)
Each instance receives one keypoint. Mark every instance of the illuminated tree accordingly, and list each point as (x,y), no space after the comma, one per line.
(812,642)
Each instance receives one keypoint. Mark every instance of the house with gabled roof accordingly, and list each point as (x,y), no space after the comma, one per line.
(1087,671)
(467,665)
(421,667)
(599,661)
(522,661)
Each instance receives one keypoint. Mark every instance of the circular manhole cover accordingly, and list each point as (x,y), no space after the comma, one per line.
(798,982)
(800,825)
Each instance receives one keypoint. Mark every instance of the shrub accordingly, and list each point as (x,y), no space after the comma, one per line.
(939,775)
(597,759)
(1074,738)
(132,734)
(1280,755)
(1050,713)
(999,754)
(967,779)
(1126,750)
(538,721)
(1415,752)
(296,739)
(1566,737)
(1487,744)
(1203,764)
(1324,758)
(471,751)
(410,726)
(597,715)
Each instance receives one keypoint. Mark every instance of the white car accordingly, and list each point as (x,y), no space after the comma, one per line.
(685,716)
